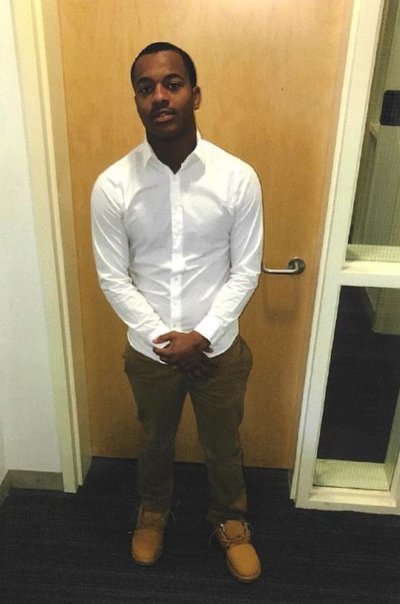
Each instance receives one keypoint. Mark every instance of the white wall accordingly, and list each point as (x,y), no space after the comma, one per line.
(27,415)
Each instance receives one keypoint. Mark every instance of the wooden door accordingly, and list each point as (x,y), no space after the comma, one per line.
(270,73)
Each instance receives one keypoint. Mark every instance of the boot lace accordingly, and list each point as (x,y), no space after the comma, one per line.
(227,540)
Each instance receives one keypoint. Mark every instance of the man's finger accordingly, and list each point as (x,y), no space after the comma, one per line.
(165,337)
(160,351)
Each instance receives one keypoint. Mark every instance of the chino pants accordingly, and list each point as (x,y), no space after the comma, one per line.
(218,403)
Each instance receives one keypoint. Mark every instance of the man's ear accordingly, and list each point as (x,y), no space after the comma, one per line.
(196,97)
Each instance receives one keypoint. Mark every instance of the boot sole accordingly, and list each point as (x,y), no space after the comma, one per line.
(240,578)
(142,563)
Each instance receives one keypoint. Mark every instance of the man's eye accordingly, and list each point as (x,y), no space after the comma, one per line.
(174,86)
(145,90)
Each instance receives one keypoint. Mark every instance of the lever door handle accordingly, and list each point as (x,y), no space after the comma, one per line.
(295,267)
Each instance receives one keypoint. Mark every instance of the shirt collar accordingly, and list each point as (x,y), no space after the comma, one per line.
(198,152)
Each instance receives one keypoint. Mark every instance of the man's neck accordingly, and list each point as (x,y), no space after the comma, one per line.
(173,152)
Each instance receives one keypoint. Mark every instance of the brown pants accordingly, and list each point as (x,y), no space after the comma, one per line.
(218,404)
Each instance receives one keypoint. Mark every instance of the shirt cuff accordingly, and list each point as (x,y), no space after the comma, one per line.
(210,328)
(160,331)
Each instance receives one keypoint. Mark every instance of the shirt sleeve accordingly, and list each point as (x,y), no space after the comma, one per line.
(111,253)
(246,252)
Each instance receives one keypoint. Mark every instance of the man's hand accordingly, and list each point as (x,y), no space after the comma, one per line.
(185,350)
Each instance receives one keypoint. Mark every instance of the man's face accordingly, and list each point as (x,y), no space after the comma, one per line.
(165,99)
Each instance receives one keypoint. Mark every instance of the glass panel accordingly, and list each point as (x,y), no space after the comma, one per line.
(360,434)
(375,228)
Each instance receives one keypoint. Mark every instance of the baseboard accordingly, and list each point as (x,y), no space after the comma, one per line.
(4,488)
(28,479)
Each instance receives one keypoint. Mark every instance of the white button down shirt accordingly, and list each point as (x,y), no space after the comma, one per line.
(178,251)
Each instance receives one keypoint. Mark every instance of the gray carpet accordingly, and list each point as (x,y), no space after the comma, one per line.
(57,547)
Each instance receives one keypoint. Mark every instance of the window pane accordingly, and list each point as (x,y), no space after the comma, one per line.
(363,384)
(375,228)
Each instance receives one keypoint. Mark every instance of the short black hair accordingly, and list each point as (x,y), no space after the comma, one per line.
(161,46)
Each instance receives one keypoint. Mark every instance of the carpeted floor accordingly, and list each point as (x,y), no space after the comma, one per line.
(56,547)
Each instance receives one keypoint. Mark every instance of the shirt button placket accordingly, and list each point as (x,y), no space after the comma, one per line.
(177,254)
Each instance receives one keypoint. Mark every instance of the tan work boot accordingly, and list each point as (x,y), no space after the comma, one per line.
(147,540)
(241,557)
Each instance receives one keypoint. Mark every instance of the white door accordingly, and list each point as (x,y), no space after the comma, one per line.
(361,268)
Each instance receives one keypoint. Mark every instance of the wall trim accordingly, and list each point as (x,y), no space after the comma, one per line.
(5,487)
(40,75)
(28,479)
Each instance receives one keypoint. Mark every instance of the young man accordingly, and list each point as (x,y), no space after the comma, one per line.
(177,234)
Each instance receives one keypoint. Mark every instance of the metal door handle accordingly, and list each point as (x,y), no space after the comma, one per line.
(295,267)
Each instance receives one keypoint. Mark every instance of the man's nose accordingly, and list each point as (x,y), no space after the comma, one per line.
(160,93)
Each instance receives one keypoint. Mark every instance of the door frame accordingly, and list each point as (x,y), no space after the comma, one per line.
(38,50)
(41,80)
(336,272)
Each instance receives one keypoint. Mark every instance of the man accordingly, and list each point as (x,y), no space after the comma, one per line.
(177,232)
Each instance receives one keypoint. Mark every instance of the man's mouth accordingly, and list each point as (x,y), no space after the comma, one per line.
(162,115)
